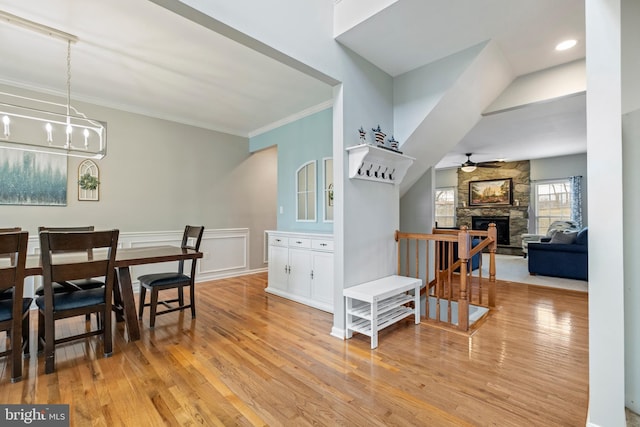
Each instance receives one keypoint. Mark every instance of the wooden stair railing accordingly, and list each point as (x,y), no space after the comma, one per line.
(414,260)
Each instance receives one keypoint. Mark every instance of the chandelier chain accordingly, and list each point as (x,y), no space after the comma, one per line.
(68,77)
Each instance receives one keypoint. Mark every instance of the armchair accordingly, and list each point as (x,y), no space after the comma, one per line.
(553,228)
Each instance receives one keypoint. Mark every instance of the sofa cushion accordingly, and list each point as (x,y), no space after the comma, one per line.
(582,238)
(566,237)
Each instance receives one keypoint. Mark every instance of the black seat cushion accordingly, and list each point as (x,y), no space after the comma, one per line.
(71,300)
(6,294)
(7,305)
(162,279)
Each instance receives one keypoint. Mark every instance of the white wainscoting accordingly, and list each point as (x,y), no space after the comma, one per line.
(225,254)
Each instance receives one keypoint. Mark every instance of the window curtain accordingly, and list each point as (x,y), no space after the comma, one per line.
(576,199)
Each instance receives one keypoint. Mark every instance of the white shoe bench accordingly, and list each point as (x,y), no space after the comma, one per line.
(374,305)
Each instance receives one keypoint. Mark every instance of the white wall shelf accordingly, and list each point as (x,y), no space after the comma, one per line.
(377,164)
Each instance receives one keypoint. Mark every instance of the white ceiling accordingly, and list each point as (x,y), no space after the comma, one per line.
(411,33)
(139,57)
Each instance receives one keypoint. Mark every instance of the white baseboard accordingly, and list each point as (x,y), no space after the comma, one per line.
(338,333)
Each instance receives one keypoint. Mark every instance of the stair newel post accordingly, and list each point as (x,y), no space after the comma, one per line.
(464,246)
(438,270)
(396,237)
(492,234)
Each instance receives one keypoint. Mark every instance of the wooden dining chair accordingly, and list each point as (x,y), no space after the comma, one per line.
(157,282)
(14,311)
(8,293)
(72,285)
(58,266)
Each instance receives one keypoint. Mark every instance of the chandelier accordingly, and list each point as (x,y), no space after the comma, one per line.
(31,124)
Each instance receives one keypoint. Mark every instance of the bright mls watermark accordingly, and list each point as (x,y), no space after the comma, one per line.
(35,415)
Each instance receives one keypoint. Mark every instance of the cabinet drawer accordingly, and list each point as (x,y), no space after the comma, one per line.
(298,242)
(278,241)
(322,245)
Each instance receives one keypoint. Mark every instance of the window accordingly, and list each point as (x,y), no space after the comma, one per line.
(446,207)
(306,192)
(552,201)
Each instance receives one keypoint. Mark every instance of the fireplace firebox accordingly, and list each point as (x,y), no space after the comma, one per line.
(502,226)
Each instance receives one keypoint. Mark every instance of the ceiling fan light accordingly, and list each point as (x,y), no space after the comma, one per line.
(468,168)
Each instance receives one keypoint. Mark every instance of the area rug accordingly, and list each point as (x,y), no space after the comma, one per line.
(516,269)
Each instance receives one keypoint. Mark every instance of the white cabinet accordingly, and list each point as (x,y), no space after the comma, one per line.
(301,268)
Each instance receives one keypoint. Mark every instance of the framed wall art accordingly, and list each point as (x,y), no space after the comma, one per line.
(88,181)
(494,192)
(29,178)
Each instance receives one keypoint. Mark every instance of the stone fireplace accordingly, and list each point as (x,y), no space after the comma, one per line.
(511,220)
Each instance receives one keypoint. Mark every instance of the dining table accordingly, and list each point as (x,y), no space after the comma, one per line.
(123,297)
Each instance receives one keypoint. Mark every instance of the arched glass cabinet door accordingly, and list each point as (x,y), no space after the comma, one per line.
(306,192)
(328,189)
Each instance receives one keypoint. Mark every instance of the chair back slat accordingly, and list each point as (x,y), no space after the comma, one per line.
(9,242)
(68,230)
(78,270)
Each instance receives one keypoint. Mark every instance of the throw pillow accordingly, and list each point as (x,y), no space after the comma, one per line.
(552,232)
(567,237)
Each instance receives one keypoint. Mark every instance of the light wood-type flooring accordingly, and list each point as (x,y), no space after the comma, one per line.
(254,359)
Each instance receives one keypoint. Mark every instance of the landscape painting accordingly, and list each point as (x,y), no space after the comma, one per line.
(492,192)
(28,178)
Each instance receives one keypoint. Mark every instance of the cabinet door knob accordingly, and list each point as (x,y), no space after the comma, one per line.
(312,274)
(323,244)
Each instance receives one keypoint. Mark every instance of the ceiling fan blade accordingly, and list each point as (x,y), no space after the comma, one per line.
(487,165)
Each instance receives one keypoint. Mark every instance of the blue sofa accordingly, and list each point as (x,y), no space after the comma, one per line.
(567,260)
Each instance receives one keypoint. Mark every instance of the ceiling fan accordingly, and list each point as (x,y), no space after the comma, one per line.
(470,166)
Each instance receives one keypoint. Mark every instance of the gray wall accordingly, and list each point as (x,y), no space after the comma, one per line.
(416,206)
(160,175)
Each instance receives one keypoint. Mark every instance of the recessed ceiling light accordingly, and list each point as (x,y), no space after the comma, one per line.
(567,44)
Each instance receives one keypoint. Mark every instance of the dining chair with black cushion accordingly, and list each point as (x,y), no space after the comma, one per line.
(69,256)
(71,285)
(157,282)
(14,311)
(8,293)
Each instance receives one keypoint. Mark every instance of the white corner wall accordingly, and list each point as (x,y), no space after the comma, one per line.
(631,177)
(606,265)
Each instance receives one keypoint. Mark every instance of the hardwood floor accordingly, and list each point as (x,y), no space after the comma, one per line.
(256,359)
